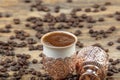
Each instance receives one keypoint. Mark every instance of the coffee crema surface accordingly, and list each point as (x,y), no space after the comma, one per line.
(59,39)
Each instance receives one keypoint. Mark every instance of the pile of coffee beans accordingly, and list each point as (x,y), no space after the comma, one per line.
(38,5)
(102,34)
(20,34)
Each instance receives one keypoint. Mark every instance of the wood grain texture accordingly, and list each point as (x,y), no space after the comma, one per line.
(21,10)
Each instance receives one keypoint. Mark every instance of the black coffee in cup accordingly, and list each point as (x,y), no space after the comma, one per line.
(58,39)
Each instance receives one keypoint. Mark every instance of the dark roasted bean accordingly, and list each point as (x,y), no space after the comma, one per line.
(16,21)
(96,6)
(103,8)
(110,73)
(69,1)
(88,10)
(110,43)
(27,1)
(118,40)
(118,47)
(111,60)
(34,61)
(107,3)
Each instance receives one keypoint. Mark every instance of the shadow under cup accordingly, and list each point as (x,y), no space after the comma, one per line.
(59,51)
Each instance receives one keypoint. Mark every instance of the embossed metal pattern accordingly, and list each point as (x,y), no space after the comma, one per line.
(93,54)
(59,68)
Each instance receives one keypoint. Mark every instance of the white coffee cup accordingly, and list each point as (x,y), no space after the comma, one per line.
(59,52)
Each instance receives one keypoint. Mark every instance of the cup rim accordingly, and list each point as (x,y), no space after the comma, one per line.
(69,33)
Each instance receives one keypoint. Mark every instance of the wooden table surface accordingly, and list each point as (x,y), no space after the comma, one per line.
(19,9)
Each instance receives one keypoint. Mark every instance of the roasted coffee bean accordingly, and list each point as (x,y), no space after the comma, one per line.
(90,20)
(113,28)
(118,60)
(13,63)
(101,19)
(109,31)
(18,77)
(4,30)
(34,61)
(106,50)
(84,16)
(31,9)
(22,44)
(77,32)
(33,72)
(57,9)
(7,60)
(6,75)
(110,43)
(111,60)
(8,26)
(96,6)
(110,15)
(41,61)
(25,67)
(27,25)
(103,8)
(95,10)
(12,37)
(107,3)
(10,53)
(80,25)
(118,40)
(27,1)
(38,74)
(79,44)
(94,34)
(118,18)
(13,68)
(89,26)
(31,41)
(18,55)
(32,78)
(91,31)
(117,13)
(1,15)
(39,47)
(105,35)
(110,73)
(40,78)
(41,55)
(76,9)
(39,35)
(31,69)
(66,27)
(69,1)
(7,15)
(45,9)
(15,74)
(31,47)
(28,56)
(88,10)
(3,70)
(16,21)
(115,70)
(119,69)
(98,45)
(110,78)
(51,27)
(118,47)
(2,62)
